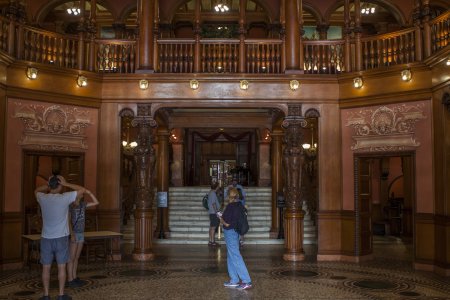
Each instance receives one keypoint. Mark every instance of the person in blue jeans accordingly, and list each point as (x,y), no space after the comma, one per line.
(239,276)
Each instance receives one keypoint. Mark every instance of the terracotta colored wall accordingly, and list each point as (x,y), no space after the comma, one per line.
(423,162)
(13,166)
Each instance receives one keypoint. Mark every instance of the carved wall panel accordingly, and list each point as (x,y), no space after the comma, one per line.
(53,127)
(384,128)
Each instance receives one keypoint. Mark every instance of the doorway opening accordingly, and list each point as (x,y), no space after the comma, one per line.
(37,168)
(385,203)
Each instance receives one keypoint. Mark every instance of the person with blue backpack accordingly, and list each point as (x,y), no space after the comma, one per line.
(230,219)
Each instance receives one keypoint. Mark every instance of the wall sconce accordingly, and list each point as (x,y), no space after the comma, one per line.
(357,82)
(32,73)
(406,75)
(243,84)
(294,84)
(194,84)
(448,62)
(143,84)
(81,81)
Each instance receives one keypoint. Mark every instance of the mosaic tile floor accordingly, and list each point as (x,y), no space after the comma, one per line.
(198,272)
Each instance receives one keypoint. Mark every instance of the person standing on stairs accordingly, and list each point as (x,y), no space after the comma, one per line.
(213,208)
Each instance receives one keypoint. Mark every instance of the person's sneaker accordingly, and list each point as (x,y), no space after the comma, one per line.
(74,284)
(79,281)
(244,286)
(64,297)
(230,284)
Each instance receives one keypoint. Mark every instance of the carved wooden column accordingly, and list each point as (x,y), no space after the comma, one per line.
(347,33)
(426,15)
(293,160)
(144,158)
(292,52)
(242,33)
(81,37)
(162,227)
(358,34)
(417,31)
(277,177)
(146,15)
(197,31)
(91,29)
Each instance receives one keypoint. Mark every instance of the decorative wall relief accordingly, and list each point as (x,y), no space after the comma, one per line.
(54,127)
(384,128)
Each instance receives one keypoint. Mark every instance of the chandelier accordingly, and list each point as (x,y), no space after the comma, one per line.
(127,145)
(75,10)
(311,149)
(367,9)
(221,7)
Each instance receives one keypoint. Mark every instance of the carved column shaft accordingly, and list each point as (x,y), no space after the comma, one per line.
(144,158)
(146,14)
(292,36)
(163,180)
(277,179)
(293,160)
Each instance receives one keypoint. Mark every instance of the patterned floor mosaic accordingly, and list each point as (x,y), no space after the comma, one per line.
(198,272)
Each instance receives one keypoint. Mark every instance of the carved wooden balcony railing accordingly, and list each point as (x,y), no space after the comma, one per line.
(389,49)
(46,47)
(224,55)
(115,56)
(264,56)
(440,32)
(176,56)
(323,57)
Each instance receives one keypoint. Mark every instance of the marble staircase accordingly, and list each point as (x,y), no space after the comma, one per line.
(189,221)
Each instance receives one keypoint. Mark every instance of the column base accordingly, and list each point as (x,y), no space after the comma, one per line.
(294,257)
(143,256)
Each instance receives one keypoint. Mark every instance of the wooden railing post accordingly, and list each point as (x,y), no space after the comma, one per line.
(302,32)
(91,29)
(358,33)
(347,32)
(426,28)
(197,30)
(242,33)
(81,51)
(11,37)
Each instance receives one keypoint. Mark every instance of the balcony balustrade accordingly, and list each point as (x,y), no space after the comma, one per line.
(223,55)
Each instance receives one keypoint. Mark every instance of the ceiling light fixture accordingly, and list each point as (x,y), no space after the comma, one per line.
(221,7)
(81,81)
(194,84)
(143,84)
(243,84)
(406,75)
(32,73)
(358,82)
(294,84)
